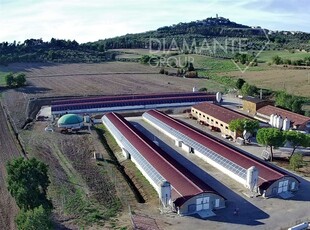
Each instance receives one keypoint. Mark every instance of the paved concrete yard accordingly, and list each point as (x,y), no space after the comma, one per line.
(258,213)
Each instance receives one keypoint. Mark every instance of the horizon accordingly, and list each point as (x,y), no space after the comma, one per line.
(96,20)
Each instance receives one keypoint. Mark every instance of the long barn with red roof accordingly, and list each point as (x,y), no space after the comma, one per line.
(248,170)
(128,102)
(175,184)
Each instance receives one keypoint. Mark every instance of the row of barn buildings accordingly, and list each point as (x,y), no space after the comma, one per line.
(177,186)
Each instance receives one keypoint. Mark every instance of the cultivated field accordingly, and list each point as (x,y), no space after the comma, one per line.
(85,193)
(8,151)
(99,79)
(60,80)
(293,81)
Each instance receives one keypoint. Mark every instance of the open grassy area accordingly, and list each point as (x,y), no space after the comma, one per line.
(2,78)
(266,56)
(295,82)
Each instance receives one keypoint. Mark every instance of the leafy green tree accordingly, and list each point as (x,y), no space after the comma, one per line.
(296,161)
(240,82)
(20,79)
(239,125)
(297,105)
(251,125)
(27,182)
(248,90)
(271,137)
(9,79)
(284,100)
(37,218)
(297,139)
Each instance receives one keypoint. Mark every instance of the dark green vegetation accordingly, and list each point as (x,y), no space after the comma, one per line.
(28,182)
(214,37)
(15,80)
(239,125)
(296,161)
(204,31)
(297,139)
(273,138)
(56,50)
(33,219)
(290,102)
(299,62)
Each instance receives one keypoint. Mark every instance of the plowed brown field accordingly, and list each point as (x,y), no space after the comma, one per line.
(8,151)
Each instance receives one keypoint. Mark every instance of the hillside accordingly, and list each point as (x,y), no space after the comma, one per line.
(216,37)
(206,31)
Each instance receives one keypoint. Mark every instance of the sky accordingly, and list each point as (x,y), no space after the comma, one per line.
(91,20)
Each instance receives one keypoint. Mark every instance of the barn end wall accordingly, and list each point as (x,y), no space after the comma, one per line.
(272,190)
(189,207)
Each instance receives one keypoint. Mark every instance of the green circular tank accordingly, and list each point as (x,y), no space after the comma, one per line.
(69,119)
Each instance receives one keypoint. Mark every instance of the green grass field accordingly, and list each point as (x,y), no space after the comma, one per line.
(2,78)
(208,65)
(266,56)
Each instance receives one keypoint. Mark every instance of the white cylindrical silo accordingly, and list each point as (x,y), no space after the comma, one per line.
(286,124)
(252,178)
(165,193)
(271,119)
(218,97)
(280,122)
(274,122)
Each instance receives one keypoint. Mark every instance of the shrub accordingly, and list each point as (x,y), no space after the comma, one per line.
(296,161)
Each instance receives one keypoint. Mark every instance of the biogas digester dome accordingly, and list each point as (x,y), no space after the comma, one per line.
(70,121)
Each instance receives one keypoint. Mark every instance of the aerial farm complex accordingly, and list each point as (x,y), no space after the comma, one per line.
(179,189)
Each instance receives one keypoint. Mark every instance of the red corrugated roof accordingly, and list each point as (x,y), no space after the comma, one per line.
(219,112)
(295,118)
(183,181)
(267,173)
(129,96)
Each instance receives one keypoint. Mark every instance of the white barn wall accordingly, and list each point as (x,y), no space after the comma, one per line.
(220,167)
(159,128)
(202,156)
(155,186)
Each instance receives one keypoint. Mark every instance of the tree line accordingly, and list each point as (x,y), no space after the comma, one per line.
(55,50)
(277,60)
(282,99)
(273,138)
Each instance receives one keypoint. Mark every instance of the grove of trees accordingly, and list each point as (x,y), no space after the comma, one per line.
(28,182)
(273,138)
(299,62)
(290,102)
